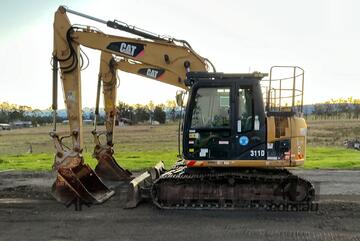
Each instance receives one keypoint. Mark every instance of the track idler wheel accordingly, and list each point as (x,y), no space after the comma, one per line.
(299,190)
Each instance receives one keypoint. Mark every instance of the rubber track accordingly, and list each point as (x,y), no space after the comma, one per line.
(253,178)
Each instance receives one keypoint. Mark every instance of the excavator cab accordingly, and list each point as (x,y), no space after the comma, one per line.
(225,118)
(227,123)
(231,144)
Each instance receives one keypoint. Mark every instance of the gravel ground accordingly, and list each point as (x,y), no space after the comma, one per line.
(28,212)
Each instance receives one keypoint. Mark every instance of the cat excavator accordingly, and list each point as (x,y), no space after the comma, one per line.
(235,150)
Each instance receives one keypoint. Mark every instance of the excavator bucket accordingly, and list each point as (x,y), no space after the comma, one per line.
(140,187)
(79,185)
(107,167)
(76,182)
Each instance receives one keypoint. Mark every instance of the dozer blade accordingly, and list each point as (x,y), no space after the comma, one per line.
(138,190)
(107,167)
(157,170)
(79,185)
(139,187)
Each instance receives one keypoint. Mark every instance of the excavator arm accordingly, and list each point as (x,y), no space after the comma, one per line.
(107,166)
(164,59)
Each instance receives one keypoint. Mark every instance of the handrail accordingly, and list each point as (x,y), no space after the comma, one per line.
(276,98)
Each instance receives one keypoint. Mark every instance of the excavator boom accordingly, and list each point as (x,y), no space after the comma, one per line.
(163,59)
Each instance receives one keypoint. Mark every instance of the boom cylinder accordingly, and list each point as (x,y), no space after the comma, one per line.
(55,83)
(118,25)
(97,101)
(55,89)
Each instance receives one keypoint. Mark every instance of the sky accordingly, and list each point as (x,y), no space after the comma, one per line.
(321,36)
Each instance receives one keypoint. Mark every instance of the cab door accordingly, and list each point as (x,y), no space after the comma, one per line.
(209,133)
(249,123)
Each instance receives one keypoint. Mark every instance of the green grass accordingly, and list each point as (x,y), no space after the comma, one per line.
(317,158)
(133,161)
(332,158)
(136,147)
(140,147)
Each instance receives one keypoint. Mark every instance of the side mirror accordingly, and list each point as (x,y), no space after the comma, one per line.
(180,98)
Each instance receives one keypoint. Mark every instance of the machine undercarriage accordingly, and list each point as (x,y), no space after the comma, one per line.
(222,188)
(237,188)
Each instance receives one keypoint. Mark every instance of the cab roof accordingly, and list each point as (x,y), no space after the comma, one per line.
(193,77)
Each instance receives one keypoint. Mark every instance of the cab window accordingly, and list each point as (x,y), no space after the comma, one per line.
(212,108)
(245,110)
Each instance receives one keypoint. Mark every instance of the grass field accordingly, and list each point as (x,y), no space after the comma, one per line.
(332,132)
(137,147)
(140,147)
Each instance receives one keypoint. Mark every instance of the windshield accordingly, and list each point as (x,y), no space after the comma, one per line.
(212,108)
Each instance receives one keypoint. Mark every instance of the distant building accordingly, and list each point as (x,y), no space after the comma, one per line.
(21,124)
(4,126)
(88,122)
(124,121)
(85,122)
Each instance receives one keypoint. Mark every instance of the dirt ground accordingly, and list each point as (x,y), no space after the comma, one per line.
(28,212)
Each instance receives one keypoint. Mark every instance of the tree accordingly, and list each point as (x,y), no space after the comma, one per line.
(142,113)
(329,109)
(151,105)
(170,104)
(171,108)
(356,108)
(159,114)
(125,111)
(319,110)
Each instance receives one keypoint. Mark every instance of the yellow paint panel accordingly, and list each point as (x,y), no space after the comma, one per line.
(270,129)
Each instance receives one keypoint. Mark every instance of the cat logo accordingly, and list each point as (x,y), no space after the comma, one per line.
(151,72)
(127,48)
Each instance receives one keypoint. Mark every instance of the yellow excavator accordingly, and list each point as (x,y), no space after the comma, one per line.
(235,150)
